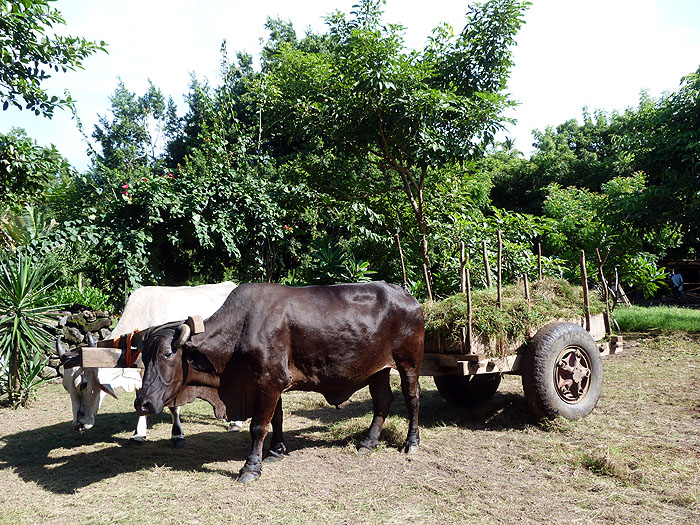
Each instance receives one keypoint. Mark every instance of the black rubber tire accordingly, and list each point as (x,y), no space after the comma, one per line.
(466,391)
(543,370)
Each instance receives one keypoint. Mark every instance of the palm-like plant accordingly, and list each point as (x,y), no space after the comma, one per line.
(25,315)
(23,228)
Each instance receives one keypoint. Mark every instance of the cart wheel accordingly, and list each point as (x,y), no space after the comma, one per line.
(467,390)
(562,372)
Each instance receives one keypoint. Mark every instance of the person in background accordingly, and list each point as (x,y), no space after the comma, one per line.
(677,281)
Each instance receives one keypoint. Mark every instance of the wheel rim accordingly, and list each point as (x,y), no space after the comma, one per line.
(572,374)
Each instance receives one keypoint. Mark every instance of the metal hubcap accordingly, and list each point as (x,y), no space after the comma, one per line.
(572,373)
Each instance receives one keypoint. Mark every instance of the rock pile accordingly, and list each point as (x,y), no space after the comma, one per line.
(73,328)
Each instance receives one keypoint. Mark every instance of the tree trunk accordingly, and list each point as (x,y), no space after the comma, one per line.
(14,393)
(414,192)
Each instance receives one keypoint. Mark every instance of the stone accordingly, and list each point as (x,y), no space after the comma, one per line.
(48,372)
(72,335)
(96,325)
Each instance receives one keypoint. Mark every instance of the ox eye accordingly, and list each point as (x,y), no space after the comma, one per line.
(167,355)
(83,385)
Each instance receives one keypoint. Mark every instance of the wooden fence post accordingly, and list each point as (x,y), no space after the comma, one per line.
(466,341)
(469,307)
(463,268)
(487,267)
(606,294)
(527,289)
(584,284)
(500,254)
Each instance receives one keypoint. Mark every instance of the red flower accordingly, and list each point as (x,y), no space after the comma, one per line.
(126,186)
(144,179)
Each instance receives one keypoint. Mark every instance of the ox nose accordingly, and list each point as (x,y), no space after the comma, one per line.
(144,407)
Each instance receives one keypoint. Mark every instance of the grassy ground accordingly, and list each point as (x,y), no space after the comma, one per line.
(639,318)
(635,459)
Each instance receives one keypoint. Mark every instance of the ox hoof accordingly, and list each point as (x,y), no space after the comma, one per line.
(273,456)
(177,442)
(235,426)
(408,448)
(135,442)
(365,448)
(247,476)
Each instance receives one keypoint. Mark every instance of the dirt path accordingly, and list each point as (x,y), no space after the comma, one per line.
(636,459)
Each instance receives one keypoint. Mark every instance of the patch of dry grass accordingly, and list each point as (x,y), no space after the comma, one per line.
(635,459)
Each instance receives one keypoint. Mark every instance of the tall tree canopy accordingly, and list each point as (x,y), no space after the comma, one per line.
(409,113)
(29,51)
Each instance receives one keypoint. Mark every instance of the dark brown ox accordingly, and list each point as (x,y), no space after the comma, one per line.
(267,339)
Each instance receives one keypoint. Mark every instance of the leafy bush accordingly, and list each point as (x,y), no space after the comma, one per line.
(88,296)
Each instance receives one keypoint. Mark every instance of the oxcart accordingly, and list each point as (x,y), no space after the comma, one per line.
(560,366)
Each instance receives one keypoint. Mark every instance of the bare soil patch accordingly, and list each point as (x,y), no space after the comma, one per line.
(635,459)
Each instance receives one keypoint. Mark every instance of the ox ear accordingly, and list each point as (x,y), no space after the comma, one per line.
(199,361)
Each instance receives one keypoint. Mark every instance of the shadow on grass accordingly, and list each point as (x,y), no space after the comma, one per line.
(502,411)
(63,461)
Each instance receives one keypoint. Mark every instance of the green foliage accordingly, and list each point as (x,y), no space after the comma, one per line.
(129,140)
(305,169)
(333,264)
(586,220)
(405,112)
(519,233)
(25,316)
(27,171)
(89,296)
(625,181)
(26,228)
(30,49)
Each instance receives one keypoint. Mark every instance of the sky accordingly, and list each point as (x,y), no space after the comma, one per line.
(570,54)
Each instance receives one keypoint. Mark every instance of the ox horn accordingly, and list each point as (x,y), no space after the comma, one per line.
(63,355)
(59,349)
(185,331)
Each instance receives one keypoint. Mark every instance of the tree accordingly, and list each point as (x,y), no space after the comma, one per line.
(133,139)
(661,137)
(28,54)
(27,170)
(408,113)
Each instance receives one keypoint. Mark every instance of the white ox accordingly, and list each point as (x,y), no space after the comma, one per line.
(147,306)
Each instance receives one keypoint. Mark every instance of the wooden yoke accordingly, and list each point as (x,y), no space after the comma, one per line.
(196,324)
(123,351)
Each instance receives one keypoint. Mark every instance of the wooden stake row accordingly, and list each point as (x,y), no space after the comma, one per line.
(466,342)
